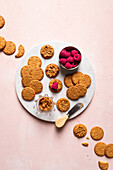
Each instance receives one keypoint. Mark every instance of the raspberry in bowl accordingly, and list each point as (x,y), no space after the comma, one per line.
(70,58)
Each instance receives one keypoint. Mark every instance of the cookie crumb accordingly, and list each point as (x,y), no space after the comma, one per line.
(85,143)
(87,137)
(103,165)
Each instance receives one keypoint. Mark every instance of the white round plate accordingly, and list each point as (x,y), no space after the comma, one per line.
(51,116)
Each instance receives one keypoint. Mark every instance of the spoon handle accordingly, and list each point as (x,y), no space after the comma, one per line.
(75,108)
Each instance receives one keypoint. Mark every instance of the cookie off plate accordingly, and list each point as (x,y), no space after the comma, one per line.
(32,106)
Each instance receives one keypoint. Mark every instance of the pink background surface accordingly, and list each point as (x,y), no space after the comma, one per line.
(27,143)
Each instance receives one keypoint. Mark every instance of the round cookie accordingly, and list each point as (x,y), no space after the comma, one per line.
(26,80)
(52,70)
(2,21)
(76,76)
(82,88)
(109,150)
(37,74)
(73,93)
(63,104)
(26,70)
(45,103)
(59,85)
(85,79)
(2,43)
(35,61)
(21,51)
(100,148)
(47,51)
(97,133)
(80,130)
(68,80)
(28,93)
(103,165)
(10,48)
(36,85)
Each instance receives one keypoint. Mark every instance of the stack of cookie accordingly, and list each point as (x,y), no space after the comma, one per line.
(77,84)
(31,76)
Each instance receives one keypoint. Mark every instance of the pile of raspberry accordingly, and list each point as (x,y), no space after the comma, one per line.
(69,59)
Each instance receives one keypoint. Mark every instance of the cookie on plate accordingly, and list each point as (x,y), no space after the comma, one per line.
(10,48)
(75,77)
(36,85)
(35,62)
(109,150)
(45,103)
(63,104)
(68,80)
(97,133)
(28,94)
(52,70)
(100,148)
(73,93)
(103,165)
(26,70)
(55,85)
(26,80)
(47,51)
(80,130)
(37,73)
(21,51)
(2,43)
(82,88)
(85,79)
(2,21)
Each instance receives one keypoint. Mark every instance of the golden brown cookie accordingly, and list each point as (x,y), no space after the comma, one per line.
(2,43)
(35,61)
(59,88)
(47,51)
(10,48)
(26,80)
(63,104)
(80,130)
(73,93)
(45,103)
(36,85)
(25,70)
(68,80)
(97,133)
(103,165)
(21,51)
(85,79)
(2,21)
(109,150)
(28,93)
(37,73)
(82,88)
(100,148)
(85,143)
(52,70)
(76,76)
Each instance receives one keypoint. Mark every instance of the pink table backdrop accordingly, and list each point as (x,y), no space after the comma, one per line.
(27,143)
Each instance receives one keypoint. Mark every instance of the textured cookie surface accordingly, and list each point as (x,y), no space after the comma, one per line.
(36,85)
(63,104)
(97,133)
(26,70)
(82,88)
(52,70)
(59,85)
(2,21)
(76,76)
(80,130)
(109,150)
(10,48)
(85,79)
(100,148)
(73,93)
(26,80)
(103,165)
(35,61)
(47,51)
(21,51)
(68,80)
(37,74)
(45,103)
(2,43)
(28,93)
